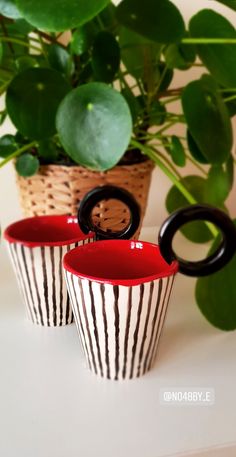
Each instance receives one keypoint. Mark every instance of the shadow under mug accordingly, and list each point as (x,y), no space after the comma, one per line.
(37,245)
(120,291)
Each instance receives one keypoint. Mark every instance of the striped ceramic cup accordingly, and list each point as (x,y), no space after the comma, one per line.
(119,292)
(37,246)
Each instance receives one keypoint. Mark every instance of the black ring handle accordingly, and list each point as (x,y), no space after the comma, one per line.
(98,194)
(213,263)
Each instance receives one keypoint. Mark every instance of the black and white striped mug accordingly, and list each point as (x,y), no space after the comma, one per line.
(120,290)
(36,246)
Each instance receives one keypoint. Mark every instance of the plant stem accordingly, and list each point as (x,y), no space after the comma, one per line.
(49,38)
(6,35)
(20,42)
(17,153)
(43,47)
(170,92)
(168,162)
(171,100)
(100,23)
(208,40)
(123,80)
(161,79)
(153,156)
(228,99)
(230,89)
(166,127)
(189,197)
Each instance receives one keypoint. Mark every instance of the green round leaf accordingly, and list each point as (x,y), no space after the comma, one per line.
(59,15)
(32,101)
(23,27)
(48,150)
(60,59)
(25,62)
(137,52)
(197,232)
(219,185)
(194,150)
(94,125)
(219,59)
(27,165)
(208,119)
(82,39)
(216,295)
(159,21)
(157,113)
(9,9)
(177,151)
(109,19)
(8,145)
(105,57)
(180,56)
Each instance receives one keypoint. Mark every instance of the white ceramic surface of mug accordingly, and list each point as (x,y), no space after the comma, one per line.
(119,292)
(36,246)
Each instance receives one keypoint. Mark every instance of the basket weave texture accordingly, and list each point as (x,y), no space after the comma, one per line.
(58,189)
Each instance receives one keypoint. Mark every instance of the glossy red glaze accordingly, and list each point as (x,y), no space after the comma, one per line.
(45,231)
(119,262)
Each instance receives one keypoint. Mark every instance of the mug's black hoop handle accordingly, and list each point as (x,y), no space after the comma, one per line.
(98,194)
(213,263)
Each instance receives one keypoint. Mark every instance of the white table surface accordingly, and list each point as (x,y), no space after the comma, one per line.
(51,406)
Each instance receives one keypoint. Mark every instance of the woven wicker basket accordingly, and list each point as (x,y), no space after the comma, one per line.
(58,189)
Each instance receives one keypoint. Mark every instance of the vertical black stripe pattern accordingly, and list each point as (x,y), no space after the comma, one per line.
(45,284)
(135,340)
(29,282)
(127,332)
(102,288)
(67,299)
(119,338)
(158,324)
(145,328)
(160,283)
(40,278)
(87,325)
(162,321)
(95,327)
(60,284)
(36,286)
(117,329)
(54,299)
(20,276)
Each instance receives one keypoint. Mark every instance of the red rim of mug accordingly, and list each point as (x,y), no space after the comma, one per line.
(83,258)
(66,231)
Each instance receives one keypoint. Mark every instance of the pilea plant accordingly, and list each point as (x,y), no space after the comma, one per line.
(107,94)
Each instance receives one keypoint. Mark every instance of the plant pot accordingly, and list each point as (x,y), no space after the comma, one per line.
(58,189)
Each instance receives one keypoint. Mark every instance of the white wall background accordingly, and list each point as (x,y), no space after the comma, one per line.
(9,206)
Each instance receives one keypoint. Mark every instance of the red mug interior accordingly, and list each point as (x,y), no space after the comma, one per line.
(119,262)
(45,231)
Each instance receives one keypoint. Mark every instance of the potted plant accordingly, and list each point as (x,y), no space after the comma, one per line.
(105,98)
